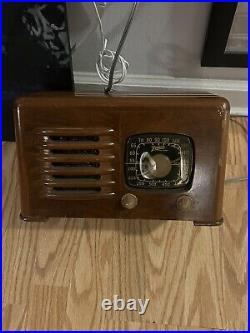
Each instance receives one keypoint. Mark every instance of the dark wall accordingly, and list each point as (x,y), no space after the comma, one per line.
(36,53)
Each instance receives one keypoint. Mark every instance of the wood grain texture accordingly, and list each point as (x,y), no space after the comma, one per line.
(55,274)
(54,120)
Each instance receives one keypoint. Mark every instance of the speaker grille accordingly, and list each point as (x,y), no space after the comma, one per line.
(77,163)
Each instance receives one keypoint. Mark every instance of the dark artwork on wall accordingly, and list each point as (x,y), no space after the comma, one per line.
(36,53)
(227,25)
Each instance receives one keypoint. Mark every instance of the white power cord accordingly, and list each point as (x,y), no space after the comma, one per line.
(107,56)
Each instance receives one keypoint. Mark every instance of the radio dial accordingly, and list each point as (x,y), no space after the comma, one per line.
(155,166)
(158,161)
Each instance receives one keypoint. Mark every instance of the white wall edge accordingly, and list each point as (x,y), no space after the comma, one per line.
(236,91)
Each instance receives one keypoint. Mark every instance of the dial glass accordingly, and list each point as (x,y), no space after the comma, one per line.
(158,161)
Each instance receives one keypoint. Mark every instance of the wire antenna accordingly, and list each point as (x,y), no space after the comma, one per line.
(110,75)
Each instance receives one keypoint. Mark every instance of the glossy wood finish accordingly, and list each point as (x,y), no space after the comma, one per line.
(114,118)
(56,274)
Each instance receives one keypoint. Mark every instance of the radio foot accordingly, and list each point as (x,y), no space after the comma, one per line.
(208,224)
(33,218)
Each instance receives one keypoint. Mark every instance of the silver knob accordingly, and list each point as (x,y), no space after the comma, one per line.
(129,201)
(184,203)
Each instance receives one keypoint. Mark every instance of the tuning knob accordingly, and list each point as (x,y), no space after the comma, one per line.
(154,166)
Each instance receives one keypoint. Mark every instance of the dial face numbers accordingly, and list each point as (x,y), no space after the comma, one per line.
(158,161)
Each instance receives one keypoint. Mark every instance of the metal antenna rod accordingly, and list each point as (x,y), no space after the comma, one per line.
(119,48)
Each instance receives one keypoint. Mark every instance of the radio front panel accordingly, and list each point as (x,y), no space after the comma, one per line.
(157,157)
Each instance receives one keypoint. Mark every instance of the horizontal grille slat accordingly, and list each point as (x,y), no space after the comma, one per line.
(79,195)
(65,131)
(77,163)
(73,164)
(70,158)
(77,145)
(80,183)
(79,171)
(70,177)
(61,179)
(78,189)
(75,151)
(77,138)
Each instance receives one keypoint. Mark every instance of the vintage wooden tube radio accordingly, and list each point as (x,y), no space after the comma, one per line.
(122,156)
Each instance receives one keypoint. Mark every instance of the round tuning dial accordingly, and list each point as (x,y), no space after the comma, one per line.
(154,166)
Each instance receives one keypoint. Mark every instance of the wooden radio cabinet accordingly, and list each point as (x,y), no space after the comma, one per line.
(122,156)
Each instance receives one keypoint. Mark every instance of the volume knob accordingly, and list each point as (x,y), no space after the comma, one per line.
(129,201)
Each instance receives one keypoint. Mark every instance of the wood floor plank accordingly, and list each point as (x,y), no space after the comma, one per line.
(10,186)
(112,325)
(177,267)
(235,242)
(45,308)
(56,251)
(13,317)
(56,274)
(235,259)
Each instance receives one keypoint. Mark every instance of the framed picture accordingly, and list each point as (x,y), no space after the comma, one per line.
(226,42)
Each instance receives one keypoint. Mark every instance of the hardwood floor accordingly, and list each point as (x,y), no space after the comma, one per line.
(55,274)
